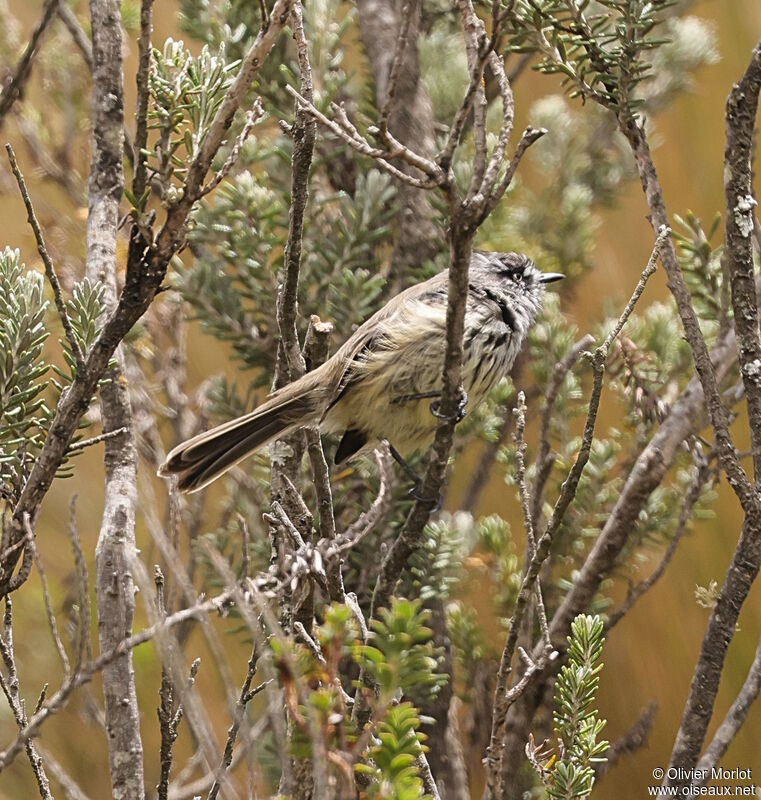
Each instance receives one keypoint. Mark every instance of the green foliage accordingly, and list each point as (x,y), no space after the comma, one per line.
(22,367)
(571,774)
(84,308)
(400,656)
(393,769)
(26,400)
(436,567)
(230,23)
(186,92)
(601,49)
(701,264)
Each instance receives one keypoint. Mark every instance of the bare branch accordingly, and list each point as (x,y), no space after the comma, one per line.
(85,674)
(367,521)
(115,551)
(47,261)
(10,687)
(12,90)
(393,76)
(101,437)
(742,106)
(703,474)
(247,694)
(52,624)
(253,116)
(140,160)
(349,134)
(735,718)
(146,267)
(495,773)
(544,460)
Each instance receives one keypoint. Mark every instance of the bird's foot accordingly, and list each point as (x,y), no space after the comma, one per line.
(458,416)
(415,492)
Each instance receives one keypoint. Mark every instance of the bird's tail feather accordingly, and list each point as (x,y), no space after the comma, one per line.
(202,459)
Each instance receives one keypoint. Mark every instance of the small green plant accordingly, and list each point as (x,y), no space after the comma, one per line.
(393,769)
(569,773)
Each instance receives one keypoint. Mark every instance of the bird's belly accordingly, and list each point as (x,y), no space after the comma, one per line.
(385,405)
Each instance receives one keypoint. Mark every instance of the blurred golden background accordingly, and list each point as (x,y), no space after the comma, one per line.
(650,655)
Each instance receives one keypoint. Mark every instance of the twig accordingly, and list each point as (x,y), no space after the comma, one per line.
(719,417)
(356,142)
(10,688)
(88,670)
(735,718)
(169,711)
(140,159)
(77,33)
(146,267)
(247,694)
(83,592)
(529,137)
(316,344)
(84,45)
(253,116)
(473,31)
(52,624)
(742,105)
(495,774)
(101,437)
(47,261)
(257,623)
(12,90)
(367,521)
(543,459)
(523,491)
(70,788)
(115,552)
(703,473)
(393,76)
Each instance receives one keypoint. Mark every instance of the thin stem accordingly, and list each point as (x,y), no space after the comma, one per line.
(12,90)
(60,303)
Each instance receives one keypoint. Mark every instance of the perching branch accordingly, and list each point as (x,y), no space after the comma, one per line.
(140,159)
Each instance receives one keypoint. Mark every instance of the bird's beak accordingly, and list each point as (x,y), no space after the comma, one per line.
(551,277)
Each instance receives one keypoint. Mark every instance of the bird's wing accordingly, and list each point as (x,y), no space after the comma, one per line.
(372,337)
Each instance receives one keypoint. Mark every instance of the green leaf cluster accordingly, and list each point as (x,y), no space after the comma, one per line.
(576,722)
(393,768)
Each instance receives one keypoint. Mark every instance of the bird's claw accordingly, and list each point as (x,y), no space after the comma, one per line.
(416,494)
(458,416)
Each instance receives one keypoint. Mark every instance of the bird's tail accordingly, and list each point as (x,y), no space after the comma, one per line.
(202,459)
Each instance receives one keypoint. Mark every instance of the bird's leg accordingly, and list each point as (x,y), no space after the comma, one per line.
(405,398)
(416,479)
(459,414)
(397,456)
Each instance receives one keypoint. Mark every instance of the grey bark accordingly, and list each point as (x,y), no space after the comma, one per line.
(115,553)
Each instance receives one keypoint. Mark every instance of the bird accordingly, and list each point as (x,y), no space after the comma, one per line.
(382,384)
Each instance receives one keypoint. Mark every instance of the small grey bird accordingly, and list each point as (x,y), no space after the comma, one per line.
(384,381)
